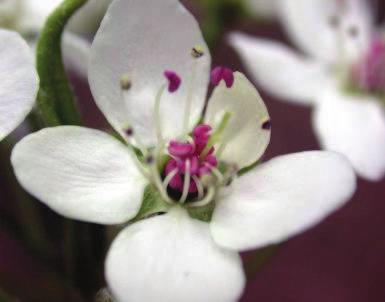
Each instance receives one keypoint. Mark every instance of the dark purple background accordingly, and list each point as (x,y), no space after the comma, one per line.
(341,260)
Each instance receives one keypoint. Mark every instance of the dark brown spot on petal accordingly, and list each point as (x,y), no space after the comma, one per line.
(266,125)
(197,52)
(150,159)
(129,131)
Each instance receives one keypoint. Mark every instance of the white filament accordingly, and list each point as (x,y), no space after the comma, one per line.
(186,183)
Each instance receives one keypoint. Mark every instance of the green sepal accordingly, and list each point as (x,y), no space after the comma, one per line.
(56,101)
(202,213)
(249,168)
(152,204)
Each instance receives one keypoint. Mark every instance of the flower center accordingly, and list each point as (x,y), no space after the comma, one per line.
(185,169)
(190,163)
(368,74)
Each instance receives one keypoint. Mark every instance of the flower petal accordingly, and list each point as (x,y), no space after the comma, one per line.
(246,136)
(156,36)
(19,83)
(279,70)
(80,173)
(354,126)
(281,198)
(172,258)
(315,33)
(76,53)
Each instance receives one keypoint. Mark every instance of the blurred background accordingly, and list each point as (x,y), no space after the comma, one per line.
(342,259)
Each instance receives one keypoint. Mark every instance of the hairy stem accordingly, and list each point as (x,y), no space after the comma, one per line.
(56,101)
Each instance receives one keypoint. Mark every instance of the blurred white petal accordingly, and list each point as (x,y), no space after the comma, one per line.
(281,71)
(76,53)
(354,126)
(309,24)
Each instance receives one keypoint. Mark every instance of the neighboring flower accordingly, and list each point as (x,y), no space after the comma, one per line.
(149,74)
(28,17)
(19,81)
(343,76)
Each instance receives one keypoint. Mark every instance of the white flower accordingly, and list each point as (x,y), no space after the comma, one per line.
(28,18)
(342,75)
(19,81)
(149,74)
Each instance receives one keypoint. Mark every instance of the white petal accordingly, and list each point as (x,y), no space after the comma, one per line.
(281,198)
(87,19)
(245,137)
(172,258)
(263,8)
(80,173)
(143,38)
(308,22)
(19,81)
(354,126)
(279,70)
(76,53)
(35,12)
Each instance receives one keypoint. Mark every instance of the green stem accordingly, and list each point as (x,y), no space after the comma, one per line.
(56,101)
(219,15)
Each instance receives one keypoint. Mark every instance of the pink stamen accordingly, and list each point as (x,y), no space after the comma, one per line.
(183,152)
(222,73)
(179,149)
(174,80)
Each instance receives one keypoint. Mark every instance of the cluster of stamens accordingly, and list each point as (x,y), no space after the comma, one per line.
(190,162)
(190,172)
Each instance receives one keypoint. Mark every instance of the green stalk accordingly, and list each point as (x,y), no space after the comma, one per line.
(219,15)
(56,101)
